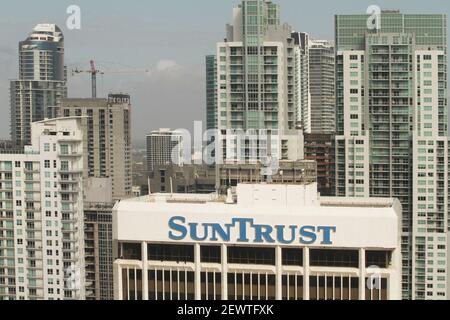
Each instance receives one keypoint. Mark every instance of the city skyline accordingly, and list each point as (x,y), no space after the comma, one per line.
(174,53)
(324,175)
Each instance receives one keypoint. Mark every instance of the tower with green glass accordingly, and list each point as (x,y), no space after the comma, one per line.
(211,92)
(255,79)
(391,120)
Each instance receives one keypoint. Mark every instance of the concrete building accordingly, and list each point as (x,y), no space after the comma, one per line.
(202,179)
(98,250)
(107,139)
(256,86)
(164,147)
(42,80)
(204,247)
(301,79)
(41,215)
(391,138)
(320,147)
(322,86)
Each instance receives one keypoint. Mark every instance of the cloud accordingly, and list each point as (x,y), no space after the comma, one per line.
(165,65)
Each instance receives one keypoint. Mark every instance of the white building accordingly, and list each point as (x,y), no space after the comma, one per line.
(269,241)
(392,131)
(41,215)
(256,86)
(164,146)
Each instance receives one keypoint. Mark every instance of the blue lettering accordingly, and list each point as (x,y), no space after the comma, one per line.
(326,234)
(178,228)
(218,230)
(194,234)
(242,223)
(280,234)
(263,233)
(308,232)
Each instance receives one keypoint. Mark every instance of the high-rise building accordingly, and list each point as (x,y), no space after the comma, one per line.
(320,147)
(164,147)
(301,79)
(98,250)
(255,245)
(256,85)
(391,110)
(42,80)
(41,215)
(322,86)
(107,139)
(211,92)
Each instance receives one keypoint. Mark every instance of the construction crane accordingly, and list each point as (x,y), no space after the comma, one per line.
(94,72)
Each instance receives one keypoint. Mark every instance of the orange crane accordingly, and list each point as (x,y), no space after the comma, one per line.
(94,71)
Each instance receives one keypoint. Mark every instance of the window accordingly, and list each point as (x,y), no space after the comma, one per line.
(130,251)
(292,257)
(175,253)
(334,258)
(381,259)
(64,149)
(210,254)
(251,255)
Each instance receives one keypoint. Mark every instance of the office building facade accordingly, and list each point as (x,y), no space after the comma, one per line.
(320,147)
(164,147)
(200,247)
(42,81)
(391,141)
(41,215)
(107,139)
(322,86)
(98,251)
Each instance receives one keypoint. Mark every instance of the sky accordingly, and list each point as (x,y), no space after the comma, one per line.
(155,50)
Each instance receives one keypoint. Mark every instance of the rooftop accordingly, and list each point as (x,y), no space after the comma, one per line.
(46,32)
(268,194)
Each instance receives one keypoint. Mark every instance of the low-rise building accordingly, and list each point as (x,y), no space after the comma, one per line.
(267,241)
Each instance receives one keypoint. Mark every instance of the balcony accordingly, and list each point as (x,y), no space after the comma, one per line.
(70,155)
(69,171)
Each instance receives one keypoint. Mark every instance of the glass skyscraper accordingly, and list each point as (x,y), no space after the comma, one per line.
(391,110)
(42,80)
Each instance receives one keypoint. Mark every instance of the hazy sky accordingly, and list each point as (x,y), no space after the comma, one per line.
(169,38)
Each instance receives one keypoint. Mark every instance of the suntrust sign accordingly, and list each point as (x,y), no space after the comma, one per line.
(245,230)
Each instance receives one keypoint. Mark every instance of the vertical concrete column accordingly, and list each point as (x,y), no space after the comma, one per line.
(279,272)
(224,286)
(305,273)
(198,286)
(362,274)
(144,271)
(117,275)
